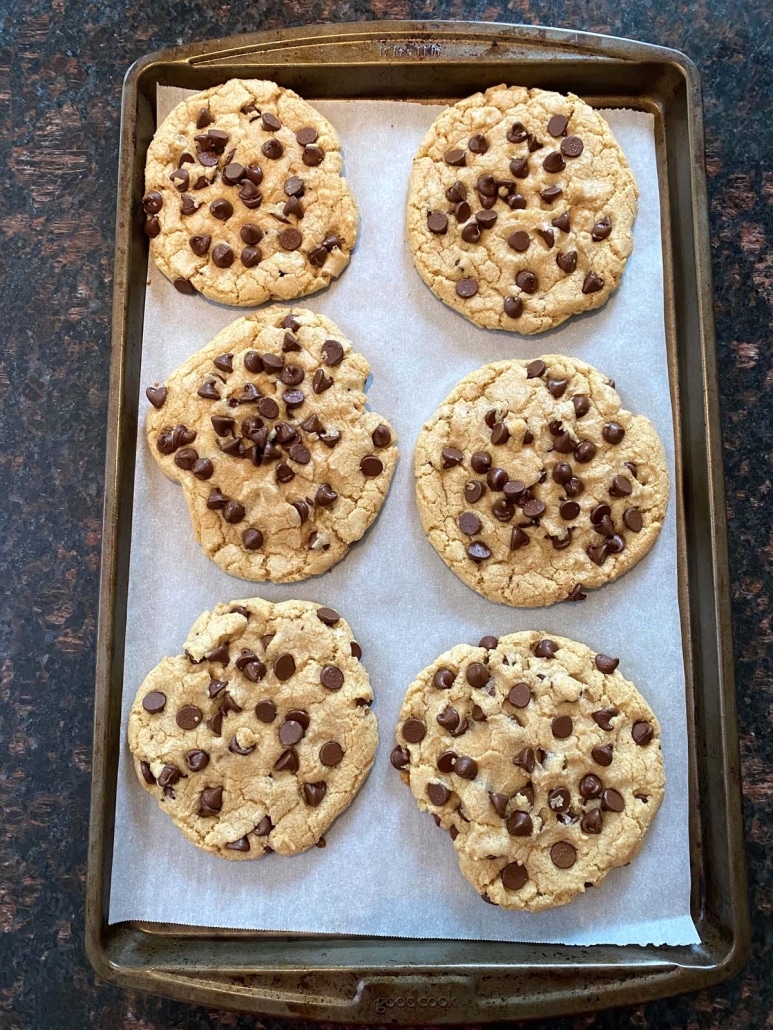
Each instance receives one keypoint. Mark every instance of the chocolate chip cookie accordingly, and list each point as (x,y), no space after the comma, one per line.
(259,735)
(534,484)
(539,758)
(521,208)
(266,431)
(244,198)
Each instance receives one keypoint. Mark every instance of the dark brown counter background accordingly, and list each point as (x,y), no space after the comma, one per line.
(61,67)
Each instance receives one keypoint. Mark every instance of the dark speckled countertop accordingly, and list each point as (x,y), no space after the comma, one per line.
(61,67)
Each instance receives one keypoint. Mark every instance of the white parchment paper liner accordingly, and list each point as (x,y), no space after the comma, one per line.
(387,870)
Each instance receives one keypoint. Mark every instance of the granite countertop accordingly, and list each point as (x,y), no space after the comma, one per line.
(61,69)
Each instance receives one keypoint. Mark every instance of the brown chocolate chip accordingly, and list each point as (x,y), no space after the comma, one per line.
(268,407)
(291,732)
(477,675)
(584,452)
(188,717)
(332,353)
(437,223)
(499,801)
(438,793)
(591,786)
(154,702)
(381,436)
(180,178)
(371,466)
(519,824)
(210,801)
(331,753)
(446,761)
(551,194)
(591,822)
(535,369)
(265,710)
(559,800)
(215,723)
(606,664)
(469,523)
(519,240)
(514,876)
(503,510)
(554,162)
(572,146)
(204,118)
(478,552)
(473,491)
(563,855)
(519,167)
(185,286)
(272,149)
(253,361)
(302,508)
(466,767)
(251,235)
(168,776)
(328,615)
(449,719)
(486,219)
(513,307)
(466,288)
(613,432)
(444,679)
(314,793)
(604,716)
(197,760)
(526,281)
(250,195)
(253,539)
(478,143)
(545,648)
(222,255)
(633,520)
(242,844)
(290,239)
(592,283)
(451,456)
(312,155)
(306,135)
(235,747)
(153,227)
(499,434)
(562,727)
(602,755)
(601,229)
(156,395)
(399,757)
(567,262)
(621,487)
(515,201)
(518,539)
(250,256)
(569,510)
(284,667)
(331,677)
(462,211)
(520,695)
(547,236)
(557,125)
(287,762)
(455,157)
(221,209)
(642,732)
(534,509)
(517,133)
(557,387)
(561,222)
(292,375)
(264,828)
(525,759)
(612,800)
(414,731)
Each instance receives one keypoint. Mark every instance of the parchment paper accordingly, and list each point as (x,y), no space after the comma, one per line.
(387,870)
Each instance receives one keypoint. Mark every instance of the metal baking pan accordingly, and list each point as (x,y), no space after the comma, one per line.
(380,980)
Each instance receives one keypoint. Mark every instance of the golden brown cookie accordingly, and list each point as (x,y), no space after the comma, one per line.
(244,198)
(259,735)
(533,482)
(539,758)
(266,430)
(521,208)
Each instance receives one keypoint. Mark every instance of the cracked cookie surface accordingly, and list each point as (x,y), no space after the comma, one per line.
(534,483)
(521,208)
(259,735)
(539,758)
(244,197)
(266,431)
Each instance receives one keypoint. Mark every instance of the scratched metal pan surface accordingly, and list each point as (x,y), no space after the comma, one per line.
(379,980)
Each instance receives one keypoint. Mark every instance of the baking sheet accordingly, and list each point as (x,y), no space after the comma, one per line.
(404,605)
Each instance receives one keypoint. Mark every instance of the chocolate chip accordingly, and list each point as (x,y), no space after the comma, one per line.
(517,133)
(154,702)
(591,786)
(604,716)
(250,257)
(157,395)
(477,675)
(526,281)
(467,768)
(554,162)
(613,432)
(312,155)
(215,723)
(287,762)
(518,539)
(514,876)
(591,822)
(520,695)
(462,211)
(455,157)
(331,753)
(168,776)
(290,732)
(557,125)
(325,496)
(469,523)
(563,855)
(486,219)
(438,793)
(437,223)
(153,227)
(642,732)
(444,679)
(233,512)
(592,283)
(331,676)
(500,434)
(519,240)
(449,719)
(567,262)
(621,487)
(451,456)
(478,552)
(525,759)
(371,466)
(519,167)
(328,615)
(534,509)
(519,824)
(414,731)
(632,518)
(515,201)
(306,135)
(222,255)
(290,239)
(572,146)
(561,726)
(446,761)
(545,648)
(547,236)
(466,288)
(471,234)
(551,194)
(478,143)
(314,793)
(180,178)
(272,149)
(612,800)
(197,760)
(503,510)
(473,491)
(601,229)
(185,286)
(221,209)
(399,757)
(210,801)
(584,452)
(200,244)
